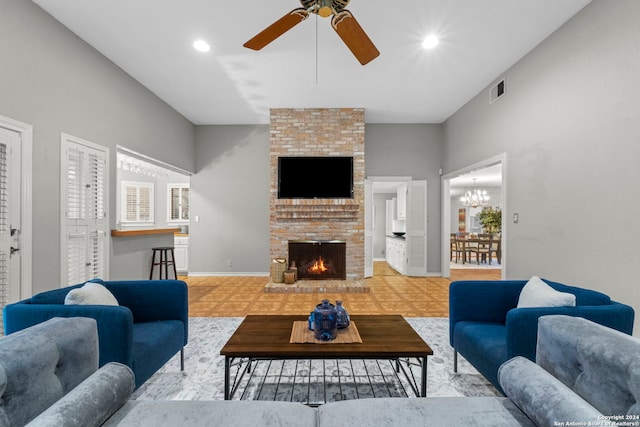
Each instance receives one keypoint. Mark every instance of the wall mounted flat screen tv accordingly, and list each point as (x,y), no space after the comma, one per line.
(315,177)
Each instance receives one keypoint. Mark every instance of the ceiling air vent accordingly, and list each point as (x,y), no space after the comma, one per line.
(496,91)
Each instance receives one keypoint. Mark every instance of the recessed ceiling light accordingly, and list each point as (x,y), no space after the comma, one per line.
(430,42)
(201,46)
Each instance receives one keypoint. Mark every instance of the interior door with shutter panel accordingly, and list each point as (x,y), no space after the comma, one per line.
(368,228)
(85,199)
(10,181)
(416,236)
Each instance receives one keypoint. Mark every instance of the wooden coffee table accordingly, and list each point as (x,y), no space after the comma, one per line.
(383,337)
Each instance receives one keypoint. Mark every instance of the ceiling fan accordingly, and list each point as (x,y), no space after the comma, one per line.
(342,22)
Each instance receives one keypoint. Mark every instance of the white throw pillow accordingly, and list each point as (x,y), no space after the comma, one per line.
(90,294)
(536,293)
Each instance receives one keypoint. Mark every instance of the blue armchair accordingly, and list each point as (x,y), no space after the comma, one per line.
(487,329)
(146,329)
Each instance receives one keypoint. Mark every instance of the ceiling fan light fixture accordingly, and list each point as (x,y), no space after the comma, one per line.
(325,11)
(324,8)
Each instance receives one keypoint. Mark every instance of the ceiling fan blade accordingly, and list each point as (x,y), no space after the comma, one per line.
(354,37)
(277,29)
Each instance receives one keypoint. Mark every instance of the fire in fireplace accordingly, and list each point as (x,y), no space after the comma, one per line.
(318,267)
(319,259)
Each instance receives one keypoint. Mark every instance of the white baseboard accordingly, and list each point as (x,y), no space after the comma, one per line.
(228,274)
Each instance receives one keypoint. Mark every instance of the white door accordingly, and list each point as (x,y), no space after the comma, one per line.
(416,236)
(368,228)
(10,209)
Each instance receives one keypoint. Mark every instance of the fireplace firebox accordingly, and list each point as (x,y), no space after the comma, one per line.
(319,259)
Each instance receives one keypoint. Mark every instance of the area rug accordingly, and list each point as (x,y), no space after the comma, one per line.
(203,377)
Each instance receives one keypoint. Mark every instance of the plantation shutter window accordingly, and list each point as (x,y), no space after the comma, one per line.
(178,202)
(137,206)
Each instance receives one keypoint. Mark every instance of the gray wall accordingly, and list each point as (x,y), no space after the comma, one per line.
(230,195)
(570,125)
(57,83)
(230,190)
(411,150)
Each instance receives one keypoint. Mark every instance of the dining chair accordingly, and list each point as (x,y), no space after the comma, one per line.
(496,247)
(484,248)
(452,246)
(471,247)
(458,247)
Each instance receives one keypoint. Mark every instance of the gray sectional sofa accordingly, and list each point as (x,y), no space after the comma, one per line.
(584,373)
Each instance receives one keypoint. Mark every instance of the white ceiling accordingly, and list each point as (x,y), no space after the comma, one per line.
(151,40)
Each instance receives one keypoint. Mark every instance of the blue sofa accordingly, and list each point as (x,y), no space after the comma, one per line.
(487,329)
(146,329)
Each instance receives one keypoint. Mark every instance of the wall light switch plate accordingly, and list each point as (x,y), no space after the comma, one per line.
(516,218)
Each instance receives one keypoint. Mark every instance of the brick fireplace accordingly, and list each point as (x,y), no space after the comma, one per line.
(319,132)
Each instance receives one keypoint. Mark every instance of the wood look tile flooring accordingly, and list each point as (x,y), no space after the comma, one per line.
(391,293)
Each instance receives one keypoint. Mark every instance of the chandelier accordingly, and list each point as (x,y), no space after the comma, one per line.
(475,197)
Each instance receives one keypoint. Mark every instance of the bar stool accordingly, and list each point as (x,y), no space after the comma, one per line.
(164,252)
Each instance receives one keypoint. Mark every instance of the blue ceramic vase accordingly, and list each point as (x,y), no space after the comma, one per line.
(325,321)
(343,317)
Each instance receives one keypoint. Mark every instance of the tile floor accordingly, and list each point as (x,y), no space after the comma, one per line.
(391,293)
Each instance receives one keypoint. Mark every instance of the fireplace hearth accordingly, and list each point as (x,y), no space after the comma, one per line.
(318,259)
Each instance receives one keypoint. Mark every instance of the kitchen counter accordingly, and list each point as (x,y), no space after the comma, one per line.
(393,236)
(143,231)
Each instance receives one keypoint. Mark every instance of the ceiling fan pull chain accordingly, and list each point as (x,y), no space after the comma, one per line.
(316,49)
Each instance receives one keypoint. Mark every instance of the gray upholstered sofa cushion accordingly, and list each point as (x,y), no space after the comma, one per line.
(214,413)
(599,364)
(582,371)
(419,412)
(541,396)
(93,401)
(41,364)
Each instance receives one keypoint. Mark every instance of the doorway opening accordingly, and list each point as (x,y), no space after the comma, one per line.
(151,194)
(398,218)
(461,220)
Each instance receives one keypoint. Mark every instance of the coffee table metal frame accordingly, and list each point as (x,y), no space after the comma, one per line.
(267,338)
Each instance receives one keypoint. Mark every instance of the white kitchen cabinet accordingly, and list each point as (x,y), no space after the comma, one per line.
(181,253)
(396,254)
(401,202)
